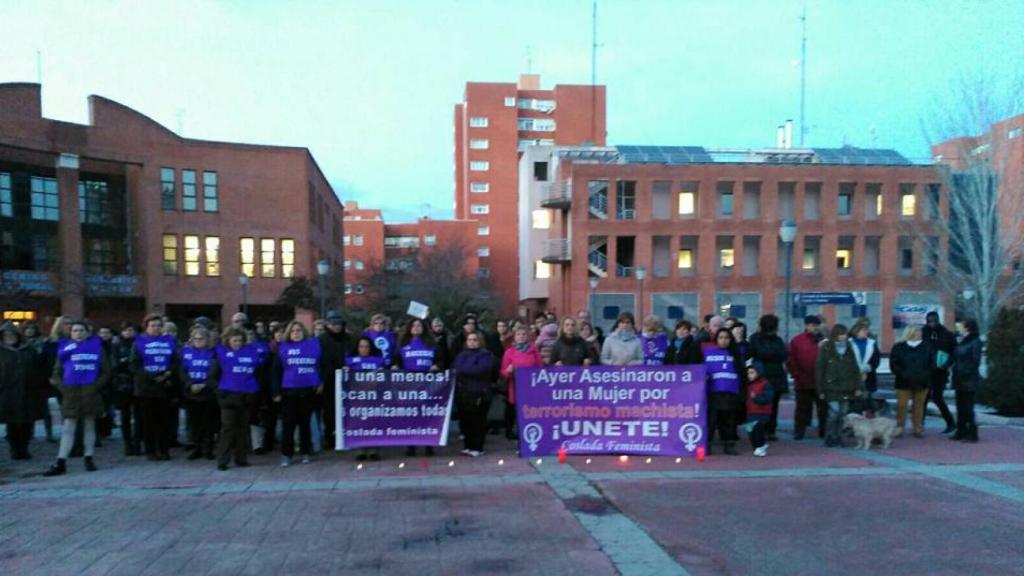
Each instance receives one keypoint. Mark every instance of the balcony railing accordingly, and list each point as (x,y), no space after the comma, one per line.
(599,205)
(557,195)
(556,251)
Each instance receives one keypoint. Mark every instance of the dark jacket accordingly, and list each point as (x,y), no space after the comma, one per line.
(683,351)
(572,352)
(333,351)
(21,382)
(122,376)
(837,375)
(209,392)
(770,350)
(443,348)
(82,401)
(942,340)
(147,385)
(802,360)
(476,371)
(966,363)
(911,365)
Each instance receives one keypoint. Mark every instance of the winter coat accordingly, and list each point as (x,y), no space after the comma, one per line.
(683,351)
(122,376)
(443,349)
(911,365)
(940,340)
(770,350)
(209,392)
(868,362)
(82,401)
(622,349)
(572,352)
(21,382)
(760,394)
(802,360)
(546,341)
(147,385)
(476,371)
(966,364)
(333,352)
(525,359)
(837,376)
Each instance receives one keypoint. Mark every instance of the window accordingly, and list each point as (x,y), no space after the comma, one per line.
(597,199)
(873,201)
(348,288)
(357,239)
(44,252)
(479,187)
(346,239)
(933,254)
(908,202)
(479,144)
(401,241)
(288,258)
(247,256)
(170,254)
(348,264)
(812,200)
(536,104)
(812,253)
(167,192)
(100,256)
(541,219)
(906,260)
(483,251)
(478,121)
(209,191)
(845,203)
(536,125)
(360,289)
(45,205)
(510,101)
(751,255)
(191,255)
(625,200)
(726,258)
(429,239)
(188,190)
(212,255)
(268,251)
(787,200)
(934,189)
(725,205)
(483,231)
(540,171)
(751,200)
(483,272)
(688,199)
(1013,133)
(479,166)
(479,209)
(359,265)
(18,316)
(844,255)
(843,258)
(6,201)
(541,270)
(93,202)
(685,259)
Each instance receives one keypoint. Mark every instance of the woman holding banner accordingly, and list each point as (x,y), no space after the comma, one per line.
(295,377)
(475,372)
(237,392)
(725,380)
(367,358)
(654,341)
(622,347)
(570,349)
(382,337)
(521,354)
(417,353)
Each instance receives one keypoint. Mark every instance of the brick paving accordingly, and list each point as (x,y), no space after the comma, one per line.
(923,507)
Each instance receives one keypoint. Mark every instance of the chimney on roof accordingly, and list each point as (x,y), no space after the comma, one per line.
(529,81)
(789,134)
(780,137)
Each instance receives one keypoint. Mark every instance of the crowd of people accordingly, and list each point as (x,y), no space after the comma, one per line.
(253,386)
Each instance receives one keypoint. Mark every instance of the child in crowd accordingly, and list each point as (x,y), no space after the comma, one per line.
(759,406)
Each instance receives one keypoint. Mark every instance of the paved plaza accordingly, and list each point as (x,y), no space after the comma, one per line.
(927,506)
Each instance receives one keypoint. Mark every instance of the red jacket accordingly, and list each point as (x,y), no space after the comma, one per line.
(803,355)
(759,399)
(513,357)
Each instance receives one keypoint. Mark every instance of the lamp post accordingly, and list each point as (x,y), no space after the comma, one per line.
(323,268)
(590,299)
(787,233)
(641,273)
(243,280)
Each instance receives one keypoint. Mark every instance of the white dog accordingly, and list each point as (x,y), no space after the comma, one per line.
(867,429)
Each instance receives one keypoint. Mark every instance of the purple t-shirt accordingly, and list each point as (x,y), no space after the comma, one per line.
(364,362)
(299,362)
(417,356)
(156,352)
(238,369)
(384,341)
(654,348)
(197,363)
(721,372)
(80,360)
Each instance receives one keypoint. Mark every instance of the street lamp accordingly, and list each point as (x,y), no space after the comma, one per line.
(590,299)
(323,267)
(787,233)
(641,273)
(244,281)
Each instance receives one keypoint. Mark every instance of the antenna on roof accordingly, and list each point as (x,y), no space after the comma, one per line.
(593,76)
(39,67)
(179,115)
(803,73)
(529,59)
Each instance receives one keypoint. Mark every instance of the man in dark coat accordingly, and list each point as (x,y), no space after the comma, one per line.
(334,349)
(20,382)
(943,344)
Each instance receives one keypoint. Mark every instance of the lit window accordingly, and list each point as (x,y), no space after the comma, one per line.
(810,261)
(685,258)
(359,264)
(213,255)
(357,240)
(541,219)
(170,254)
(429,239)
(167,192)
(191,255)
(908,204)
(210,203)
(479,209)
(726,258)
(45,205)
(478,122)
(479,187)
(483,231)
(247,256)
(18,316)
(843,259)
(6,202)
(479,166)
(188,190)
(687,203)
(878,204)
(346,239)
(479,144)
(541,270)
(483,251)
(268,251)
(510,101)
(288,258)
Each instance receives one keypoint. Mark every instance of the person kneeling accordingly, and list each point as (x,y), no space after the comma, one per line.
(759,406)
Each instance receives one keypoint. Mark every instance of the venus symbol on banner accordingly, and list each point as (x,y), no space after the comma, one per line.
(690,434)
(533,433)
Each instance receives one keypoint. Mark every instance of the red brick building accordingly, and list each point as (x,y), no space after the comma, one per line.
(704,226)
(493,125)
(371,246)
(121,217)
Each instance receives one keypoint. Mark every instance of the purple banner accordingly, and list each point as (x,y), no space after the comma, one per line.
(392,408)
(652,410)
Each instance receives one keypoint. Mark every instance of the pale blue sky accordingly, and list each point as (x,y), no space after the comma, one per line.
(369,85)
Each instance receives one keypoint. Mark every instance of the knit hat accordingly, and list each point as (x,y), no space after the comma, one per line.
(756,366)
(812,319)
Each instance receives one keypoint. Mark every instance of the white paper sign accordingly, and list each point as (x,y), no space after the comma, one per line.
(418,310)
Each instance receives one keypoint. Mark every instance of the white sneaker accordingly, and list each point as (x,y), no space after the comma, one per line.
(306,459)
(762,451)
(285,461)
(466,452)
(476,453)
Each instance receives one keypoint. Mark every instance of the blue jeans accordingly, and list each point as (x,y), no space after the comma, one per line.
(837,410)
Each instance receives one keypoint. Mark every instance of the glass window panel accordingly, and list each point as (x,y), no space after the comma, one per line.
(212,255)
(267,255)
